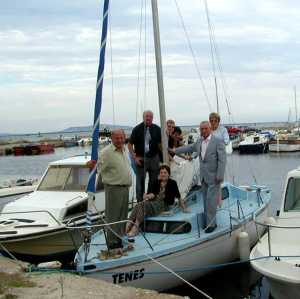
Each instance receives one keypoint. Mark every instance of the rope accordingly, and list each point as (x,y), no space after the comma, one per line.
(14,259)
(193,55)
(178,276)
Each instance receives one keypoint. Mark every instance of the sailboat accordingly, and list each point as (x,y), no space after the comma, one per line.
(174,247)
(287,142)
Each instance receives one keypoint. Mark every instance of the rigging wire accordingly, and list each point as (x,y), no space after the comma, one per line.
(216,59)
(111,68)
(216,62)
(193,54)
(212,53)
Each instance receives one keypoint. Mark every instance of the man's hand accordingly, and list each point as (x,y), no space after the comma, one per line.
(148,196)
(91,164)
(138,160)
(171,151)
(218,181)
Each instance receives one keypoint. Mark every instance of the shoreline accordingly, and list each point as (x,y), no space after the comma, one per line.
(15,283)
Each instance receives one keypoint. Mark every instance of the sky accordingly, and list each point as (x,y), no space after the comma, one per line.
(50,51)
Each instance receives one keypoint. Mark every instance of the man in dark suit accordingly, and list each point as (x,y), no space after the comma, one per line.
(212,157)
(145,148)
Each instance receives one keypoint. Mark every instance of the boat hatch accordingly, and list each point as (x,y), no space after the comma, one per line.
(166,227)
(65,178)
(76,209)
(292,195)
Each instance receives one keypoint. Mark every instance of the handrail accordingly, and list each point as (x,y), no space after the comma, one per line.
(35,211)
(269,226)
(239,206)
(276,226)
(102,225)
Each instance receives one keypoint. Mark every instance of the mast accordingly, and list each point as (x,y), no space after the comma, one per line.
(160,83)
(97,110)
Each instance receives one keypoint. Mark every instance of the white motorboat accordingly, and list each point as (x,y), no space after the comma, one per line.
(33,228)
(285,143)
(104,140)
(19,187)
(178,241)
(235,140)
(277,254)
(256,143)
(84,141)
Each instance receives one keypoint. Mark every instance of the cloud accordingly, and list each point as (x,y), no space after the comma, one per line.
(50,54)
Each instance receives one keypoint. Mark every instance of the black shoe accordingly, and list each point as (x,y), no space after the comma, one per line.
(115,245)
(210,229)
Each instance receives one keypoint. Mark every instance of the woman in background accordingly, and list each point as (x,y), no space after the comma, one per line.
(218,130)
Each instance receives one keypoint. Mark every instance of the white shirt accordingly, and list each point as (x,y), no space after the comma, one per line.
(204,146)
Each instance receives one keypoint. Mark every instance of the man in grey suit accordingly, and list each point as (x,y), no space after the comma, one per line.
(212,157)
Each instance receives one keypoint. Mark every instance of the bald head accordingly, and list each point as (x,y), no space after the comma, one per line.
(118,138)
(205,129)
(148,117)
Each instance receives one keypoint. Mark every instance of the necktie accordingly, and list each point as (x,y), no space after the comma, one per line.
(204,147)
(147,140)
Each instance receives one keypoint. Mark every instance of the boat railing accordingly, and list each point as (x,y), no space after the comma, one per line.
(30,212)
(103,226)
(269,228)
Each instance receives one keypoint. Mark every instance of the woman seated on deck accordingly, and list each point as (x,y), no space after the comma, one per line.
(157,200)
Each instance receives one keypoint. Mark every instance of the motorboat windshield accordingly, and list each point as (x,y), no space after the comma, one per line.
(65,178)
(292,196)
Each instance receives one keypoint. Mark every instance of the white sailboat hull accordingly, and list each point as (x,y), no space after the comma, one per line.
(196,262)
(280,147)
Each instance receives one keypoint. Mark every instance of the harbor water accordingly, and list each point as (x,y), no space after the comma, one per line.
(238,281)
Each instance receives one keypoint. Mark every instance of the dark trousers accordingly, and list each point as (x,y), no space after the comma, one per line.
(210,193)
(150,165)
(116,209)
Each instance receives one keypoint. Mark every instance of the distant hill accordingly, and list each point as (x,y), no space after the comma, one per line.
(4,134)
(89,128)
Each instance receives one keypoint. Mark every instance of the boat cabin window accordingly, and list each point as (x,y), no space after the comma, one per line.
(166,227)
(76,210)
(256,139)
(65,178)
(292,195)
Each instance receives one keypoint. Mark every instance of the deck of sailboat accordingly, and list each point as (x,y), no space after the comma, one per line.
(164,244)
